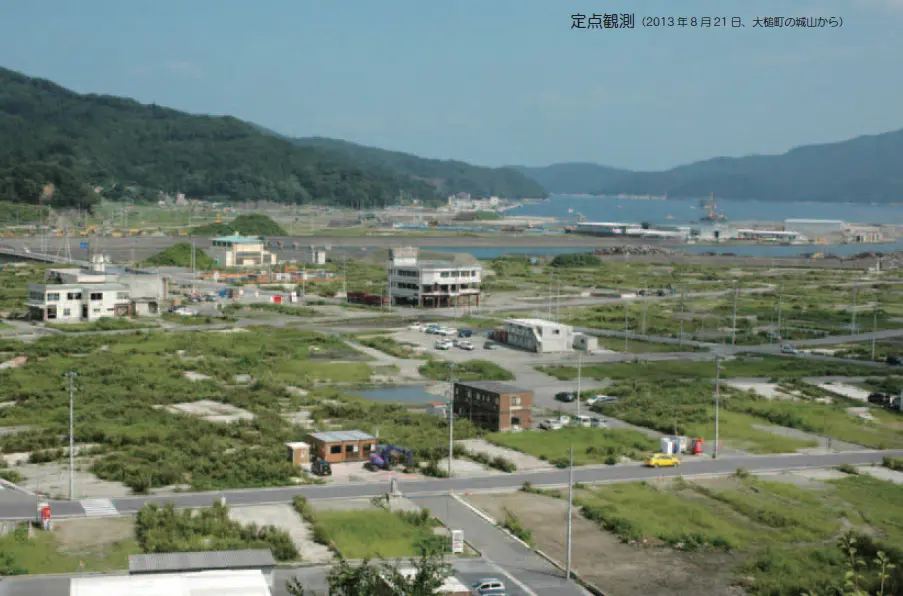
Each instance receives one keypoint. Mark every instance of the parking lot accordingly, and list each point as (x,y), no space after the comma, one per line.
(520,362)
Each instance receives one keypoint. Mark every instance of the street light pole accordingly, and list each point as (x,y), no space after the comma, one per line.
(717,402)
(570,509)
(451,416)
(71,374)
(345,275)
(780,299)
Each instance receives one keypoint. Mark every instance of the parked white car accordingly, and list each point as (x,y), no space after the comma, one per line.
(466,345)
(447,331)
(550,424)
(597,422)
(788,349)
(582,420)
(601,399)
(443,344)
(416,327)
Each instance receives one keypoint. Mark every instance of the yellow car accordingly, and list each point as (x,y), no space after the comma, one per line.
(662,460)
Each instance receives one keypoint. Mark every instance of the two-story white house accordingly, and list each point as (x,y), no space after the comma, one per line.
(432,283)
(78,302)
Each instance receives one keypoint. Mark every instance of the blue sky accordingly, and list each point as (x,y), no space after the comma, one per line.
(492,82)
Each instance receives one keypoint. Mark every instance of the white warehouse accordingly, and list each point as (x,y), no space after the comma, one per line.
(536,335)
(432,283)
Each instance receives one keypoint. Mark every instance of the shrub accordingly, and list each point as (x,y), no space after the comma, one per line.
(500,463)
(894,463)
(848,469)
(513,525)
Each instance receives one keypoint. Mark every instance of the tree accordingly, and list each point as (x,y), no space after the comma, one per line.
(367,578)
(294,588)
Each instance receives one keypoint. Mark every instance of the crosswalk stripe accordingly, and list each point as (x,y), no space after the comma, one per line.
(98,507)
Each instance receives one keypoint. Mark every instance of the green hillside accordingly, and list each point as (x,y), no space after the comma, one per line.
(179,255)
(246,225)
(865,169)
(448,176)
(53,136)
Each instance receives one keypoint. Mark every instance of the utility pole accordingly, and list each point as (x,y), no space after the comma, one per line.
(550,294)
(570,509)
(626,332)
(734,319)
(71,374)
(645,295)
(451,416)
(345,275)
(579,375)
(780,299)
(558,305)
(853,323)
(874,328)
(717,402)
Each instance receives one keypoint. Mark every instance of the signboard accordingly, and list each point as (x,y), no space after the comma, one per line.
(83,245)
(457,542)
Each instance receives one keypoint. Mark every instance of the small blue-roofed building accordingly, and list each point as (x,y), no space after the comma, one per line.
(241,251)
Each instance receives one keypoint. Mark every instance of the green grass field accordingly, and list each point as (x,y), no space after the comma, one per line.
(591,445)
(106,324)
(373,533)
(742,367)
(469,370)
(41,554)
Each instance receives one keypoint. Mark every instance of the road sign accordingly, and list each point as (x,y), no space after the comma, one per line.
(457,539)
(83,245)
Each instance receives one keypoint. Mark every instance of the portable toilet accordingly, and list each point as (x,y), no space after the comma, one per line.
(665,446)
(680,444)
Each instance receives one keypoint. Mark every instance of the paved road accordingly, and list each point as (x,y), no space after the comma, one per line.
(312,578)
(17,506)
(518,566)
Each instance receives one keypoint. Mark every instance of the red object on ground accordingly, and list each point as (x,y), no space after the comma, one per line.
(697,446)
(277,299)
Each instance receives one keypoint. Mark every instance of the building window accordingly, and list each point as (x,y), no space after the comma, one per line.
(515,401)
(53,297)
(96,295)
(368,447)
(95,310)
(74,296)
(122,295)
(351,448)
(335,449)
(66,312)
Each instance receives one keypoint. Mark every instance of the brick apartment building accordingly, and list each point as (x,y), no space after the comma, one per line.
(494,406)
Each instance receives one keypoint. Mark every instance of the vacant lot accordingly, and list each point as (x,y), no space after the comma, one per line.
(591,445)
(776,537)
(125,379)
(376,533)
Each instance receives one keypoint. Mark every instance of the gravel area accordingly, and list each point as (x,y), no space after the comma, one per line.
(285,518)
(521,460)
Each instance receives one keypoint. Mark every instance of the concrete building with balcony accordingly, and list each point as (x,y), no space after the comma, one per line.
(241,251)
(71,303)
(432,283)
(495,406)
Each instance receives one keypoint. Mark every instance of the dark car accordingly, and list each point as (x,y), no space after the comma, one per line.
(894,360)
(566,396)
(465,333)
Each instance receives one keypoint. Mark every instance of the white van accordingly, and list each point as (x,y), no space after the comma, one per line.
(595,422)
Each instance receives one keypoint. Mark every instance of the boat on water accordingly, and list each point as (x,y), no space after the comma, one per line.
(712,214)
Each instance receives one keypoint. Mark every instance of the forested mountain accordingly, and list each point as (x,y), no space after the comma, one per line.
(864,169)
(448,176)
(57,145)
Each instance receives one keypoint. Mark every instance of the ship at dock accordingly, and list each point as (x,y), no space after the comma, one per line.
(712,214)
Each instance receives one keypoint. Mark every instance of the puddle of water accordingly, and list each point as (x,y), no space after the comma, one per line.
(409,394)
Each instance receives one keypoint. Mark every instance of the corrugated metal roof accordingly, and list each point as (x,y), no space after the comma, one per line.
(198,561)
(237,239)
(494,387)
(338,436)
(205,583)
